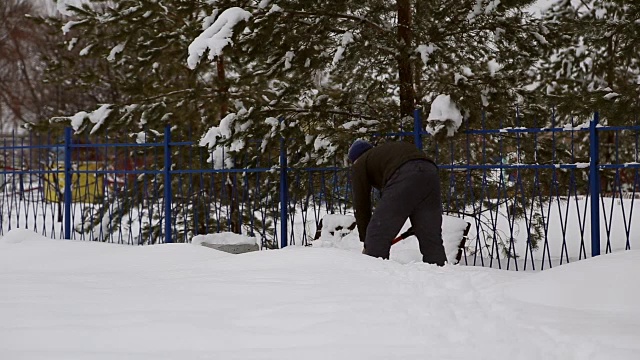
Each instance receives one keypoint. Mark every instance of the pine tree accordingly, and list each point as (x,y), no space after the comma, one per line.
(594,65)
(358,64)
(367,65)
(133,48)
(128,59)
(312,72)
(594,62)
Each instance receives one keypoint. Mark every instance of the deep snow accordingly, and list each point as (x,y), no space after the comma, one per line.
(65,299)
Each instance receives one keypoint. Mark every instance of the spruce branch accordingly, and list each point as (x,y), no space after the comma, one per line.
(311,111)
(339,16)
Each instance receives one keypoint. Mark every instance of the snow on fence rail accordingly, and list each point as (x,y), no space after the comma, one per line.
(529,193)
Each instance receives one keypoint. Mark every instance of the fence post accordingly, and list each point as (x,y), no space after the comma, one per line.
(284,195)
(417,128)
(167,185)
(67,183)
(594,184)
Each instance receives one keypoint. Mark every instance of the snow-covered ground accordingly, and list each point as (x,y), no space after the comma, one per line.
(567,238)
(405,251)
(65,299)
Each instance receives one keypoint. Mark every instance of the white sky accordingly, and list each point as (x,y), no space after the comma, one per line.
(50,5)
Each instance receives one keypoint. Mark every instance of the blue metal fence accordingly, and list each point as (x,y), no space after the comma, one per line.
(529,192)
(537,209)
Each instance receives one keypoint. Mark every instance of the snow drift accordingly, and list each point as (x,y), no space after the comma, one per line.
(65,299)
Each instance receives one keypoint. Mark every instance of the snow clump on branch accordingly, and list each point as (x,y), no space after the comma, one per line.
(96,117)
(221,155)
(217,36)
(444,114)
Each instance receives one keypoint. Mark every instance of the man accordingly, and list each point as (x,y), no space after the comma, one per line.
(410,189)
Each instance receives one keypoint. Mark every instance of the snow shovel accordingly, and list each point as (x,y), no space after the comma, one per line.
(410,232)
(403,236)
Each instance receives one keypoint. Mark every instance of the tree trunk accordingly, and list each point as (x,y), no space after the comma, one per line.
(224,88)
(235,218)
(405,73)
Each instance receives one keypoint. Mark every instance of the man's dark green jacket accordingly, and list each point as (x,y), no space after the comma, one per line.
(373,169)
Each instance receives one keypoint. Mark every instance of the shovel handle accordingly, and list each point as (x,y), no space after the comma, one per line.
(403,236)
(461,249)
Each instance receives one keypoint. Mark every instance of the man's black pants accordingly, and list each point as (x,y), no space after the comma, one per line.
(413,192)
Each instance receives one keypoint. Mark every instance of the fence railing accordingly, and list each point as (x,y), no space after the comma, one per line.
(537,197)
(148,192)
(531,193)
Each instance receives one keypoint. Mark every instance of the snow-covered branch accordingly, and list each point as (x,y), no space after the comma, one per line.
(217,36)
(96,117)
(444,114)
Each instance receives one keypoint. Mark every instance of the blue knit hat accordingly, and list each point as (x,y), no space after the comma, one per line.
(358,148)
